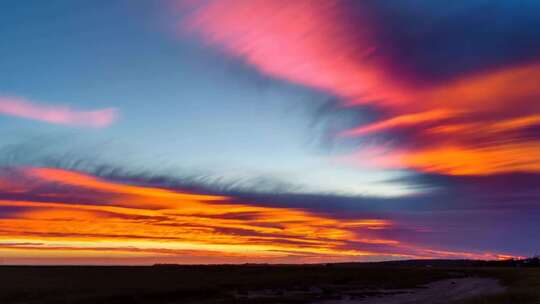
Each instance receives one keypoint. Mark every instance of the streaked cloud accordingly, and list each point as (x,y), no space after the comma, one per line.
(305,42)
(469,121)
(68,213)
(61,115)
(400,121)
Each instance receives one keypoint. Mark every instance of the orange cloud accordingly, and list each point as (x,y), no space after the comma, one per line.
(496,90)
(144,219)
(474,127)
(97,184)
(56,115)
(513,157)
(144,222)
(401,121)
(496,106)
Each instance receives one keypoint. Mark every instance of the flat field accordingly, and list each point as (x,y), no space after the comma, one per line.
(333,283)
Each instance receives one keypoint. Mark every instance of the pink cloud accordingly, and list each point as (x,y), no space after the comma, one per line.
(56,114)
(461,126)
(302,41)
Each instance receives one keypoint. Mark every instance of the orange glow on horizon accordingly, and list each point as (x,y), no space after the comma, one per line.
(176,224)
(172,223)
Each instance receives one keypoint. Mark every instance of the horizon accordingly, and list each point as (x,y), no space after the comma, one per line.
(520,259)
(229,132)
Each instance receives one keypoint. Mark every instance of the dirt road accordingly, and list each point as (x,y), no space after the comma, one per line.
(440,292)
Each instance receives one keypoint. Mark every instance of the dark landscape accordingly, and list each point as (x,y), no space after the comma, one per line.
(386,282)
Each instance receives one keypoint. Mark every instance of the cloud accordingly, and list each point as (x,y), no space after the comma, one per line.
(301,41)
(400,121)
(65,212)
(451,100)
(416,225)
(69,211)
(154,219)
(19,107)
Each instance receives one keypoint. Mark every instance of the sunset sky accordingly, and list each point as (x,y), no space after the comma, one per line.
(268,131)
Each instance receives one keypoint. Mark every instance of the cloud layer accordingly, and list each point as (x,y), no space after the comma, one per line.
(448,101)
(53,215)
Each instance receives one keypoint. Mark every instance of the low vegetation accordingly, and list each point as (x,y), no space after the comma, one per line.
(239,283)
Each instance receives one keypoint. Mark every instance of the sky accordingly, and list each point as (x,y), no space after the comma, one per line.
(268,131)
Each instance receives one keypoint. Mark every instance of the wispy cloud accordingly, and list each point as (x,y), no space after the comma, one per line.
(68,213)
(61,115)
(305,42)
(350,50)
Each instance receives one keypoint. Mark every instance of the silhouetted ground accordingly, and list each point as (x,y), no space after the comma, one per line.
(332,283)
